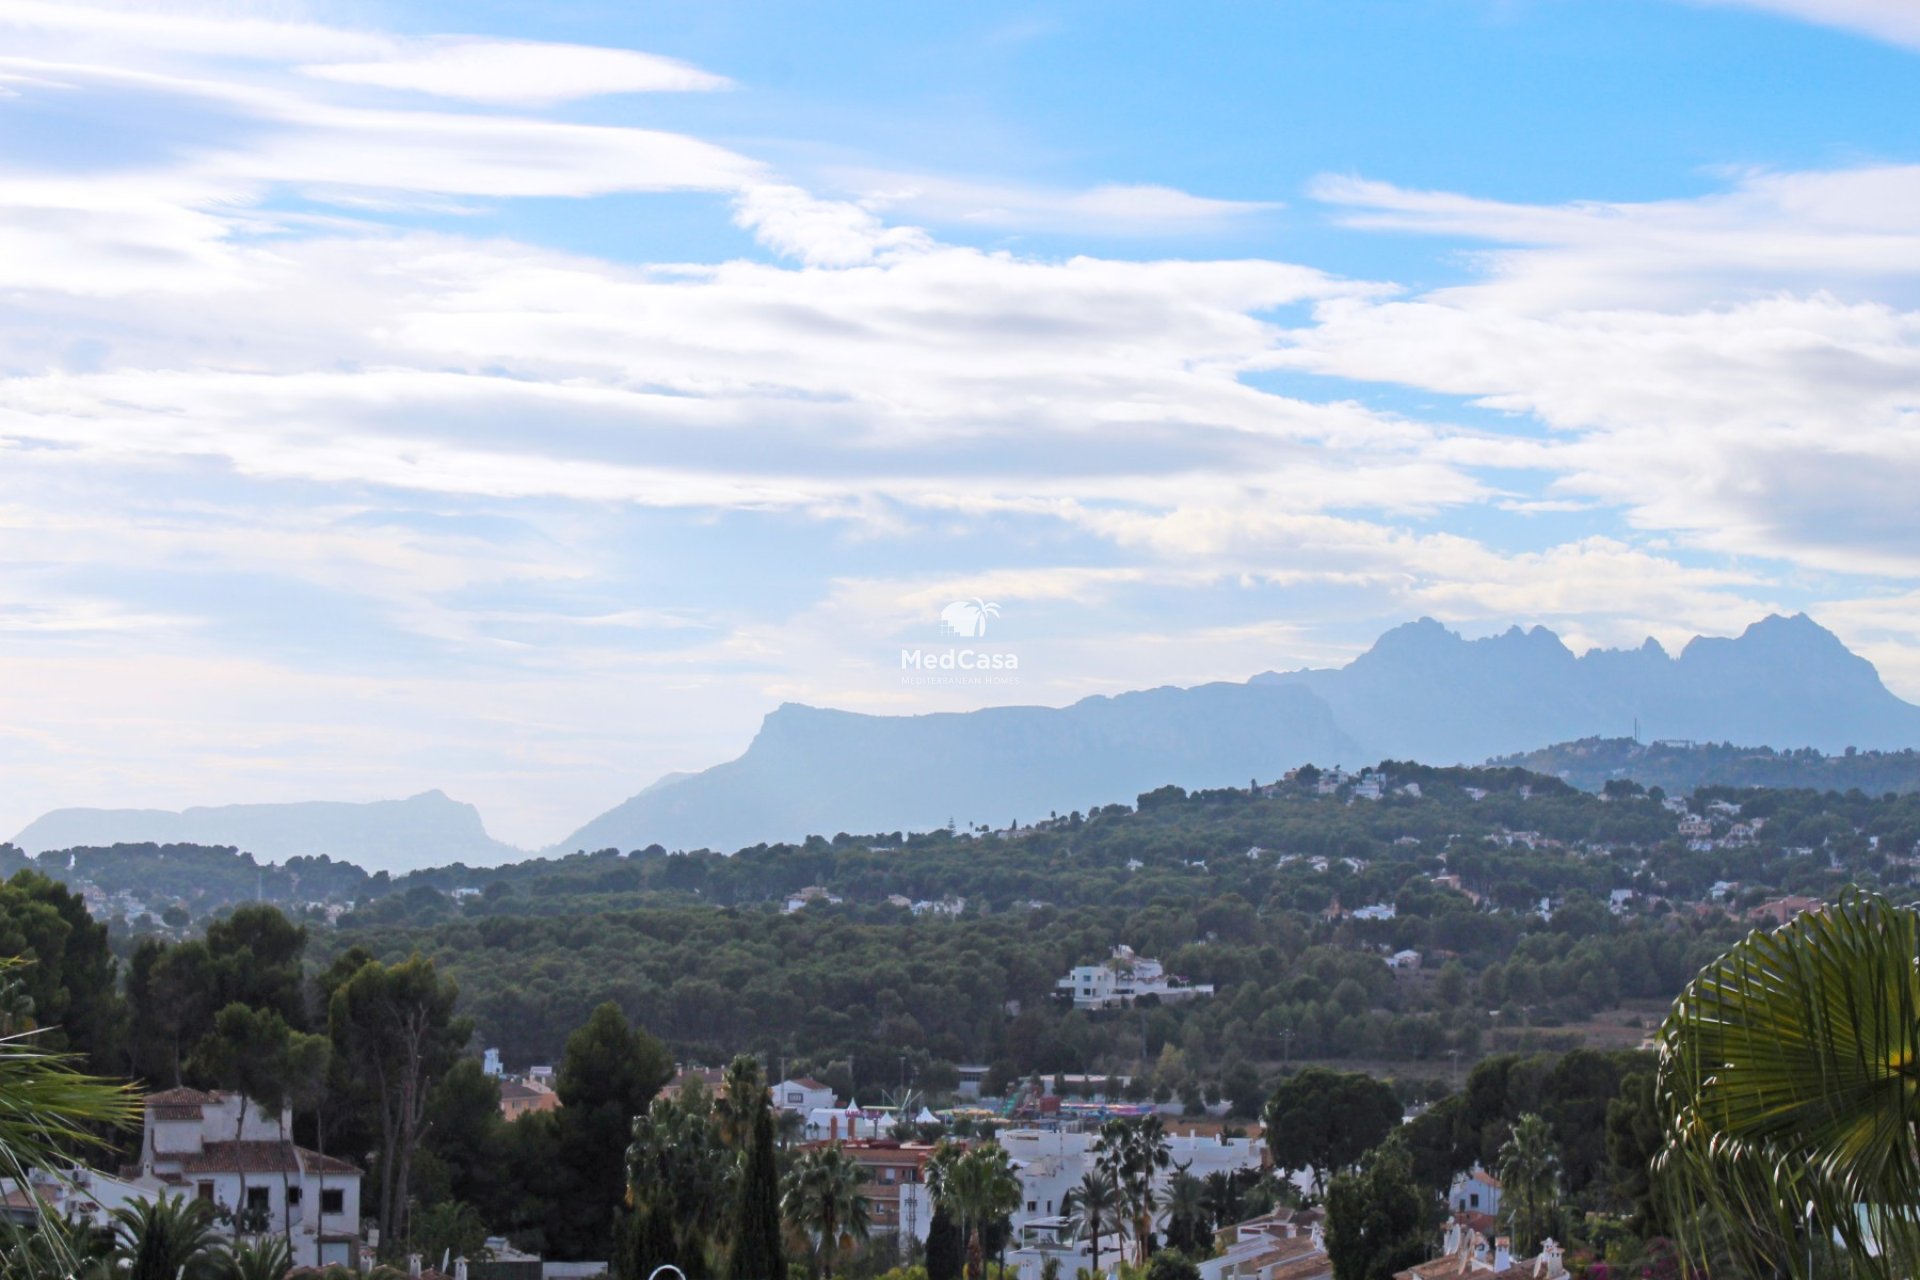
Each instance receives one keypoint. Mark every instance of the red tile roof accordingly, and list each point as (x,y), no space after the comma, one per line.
(261,1157)
(182,1098)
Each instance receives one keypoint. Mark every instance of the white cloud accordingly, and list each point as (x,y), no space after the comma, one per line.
(1896,21)
(1847,230)
(390,508)
(1108,209)
(218,30)
(523,72)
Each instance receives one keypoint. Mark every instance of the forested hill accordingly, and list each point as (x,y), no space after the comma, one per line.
(1287,895)
(1681,767)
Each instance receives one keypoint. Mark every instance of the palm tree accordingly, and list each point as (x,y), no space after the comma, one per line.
(1529,1169)
(743,1092)
(1789,1093)
(47,1108)
(170,1238)
(1094,1205)
(822,1201)
(264,1259)
(1189,1224)
(55,1249)
(978,1188)
(1133,1151)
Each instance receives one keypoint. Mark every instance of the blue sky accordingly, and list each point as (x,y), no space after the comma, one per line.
(523,399)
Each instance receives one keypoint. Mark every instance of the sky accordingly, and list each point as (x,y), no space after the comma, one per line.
(524,398)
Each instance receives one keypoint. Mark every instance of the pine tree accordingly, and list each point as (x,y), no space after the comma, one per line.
(756,1252)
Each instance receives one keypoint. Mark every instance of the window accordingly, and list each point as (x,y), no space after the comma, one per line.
(795,1096)
(259,1198)
(293,1196)
(1475,1199)
(205,1192)
(333,1200)
(1032,1205)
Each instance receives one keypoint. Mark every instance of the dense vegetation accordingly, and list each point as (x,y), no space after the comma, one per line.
(1497,879)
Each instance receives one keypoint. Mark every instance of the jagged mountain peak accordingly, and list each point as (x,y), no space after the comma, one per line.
(1421,691)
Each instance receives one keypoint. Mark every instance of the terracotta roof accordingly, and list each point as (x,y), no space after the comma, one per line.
(807,1082)
(1303,1268)
(240,1157)
(317,1163)
(260,1157)
(515,1090)
(182,1098)
(174,1110)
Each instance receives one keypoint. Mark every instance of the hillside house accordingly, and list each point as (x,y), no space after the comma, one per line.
(224,1149)
(1122,980)
(805,1095)
(518,1097)
(1475,1191)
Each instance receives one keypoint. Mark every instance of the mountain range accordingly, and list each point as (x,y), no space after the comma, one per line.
(1422,692)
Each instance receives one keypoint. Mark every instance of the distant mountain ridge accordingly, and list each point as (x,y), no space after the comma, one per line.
(392,835)
(1422,692)
(813,770)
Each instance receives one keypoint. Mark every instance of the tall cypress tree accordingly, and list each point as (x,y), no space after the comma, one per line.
(756,1252)
(946,1246)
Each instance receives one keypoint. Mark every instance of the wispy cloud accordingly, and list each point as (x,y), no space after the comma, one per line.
(523,72)
(1896,21)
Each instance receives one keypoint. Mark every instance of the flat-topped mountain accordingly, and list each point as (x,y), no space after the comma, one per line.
(393,835)
(1422,692)
(811,770)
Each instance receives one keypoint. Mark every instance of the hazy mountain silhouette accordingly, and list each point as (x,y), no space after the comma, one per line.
(393,835)
(816,771)
(1422,692)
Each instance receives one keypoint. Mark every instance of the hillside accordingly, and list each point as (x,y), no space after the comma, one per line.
(1682,767)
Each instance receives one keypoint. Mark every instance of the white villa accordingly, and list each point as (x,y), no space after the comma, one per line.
(1050,1163)
(223,1148)
(1122,980)
(805,1095)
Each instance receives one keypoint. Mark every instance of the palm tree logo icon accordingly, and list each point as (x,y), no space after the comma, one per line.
(968,618)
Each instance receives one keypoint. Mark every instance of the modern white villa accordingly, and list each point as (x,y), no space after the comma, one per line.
(1122,980)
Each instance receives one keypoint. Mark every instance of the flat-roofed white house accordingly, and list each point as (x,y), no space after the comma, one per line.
(225,1149)
(1122,980)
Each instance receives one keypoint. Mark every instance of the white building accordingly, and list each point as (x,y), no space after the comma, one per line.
(222,1148)
(1476,1191)
(1123,979)
(1041,1239)
(805,1095)
(1050,1163)
(79,1194)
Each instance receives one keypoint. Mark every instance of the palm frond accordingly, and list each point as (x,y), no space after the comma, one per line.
(1789,1091)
